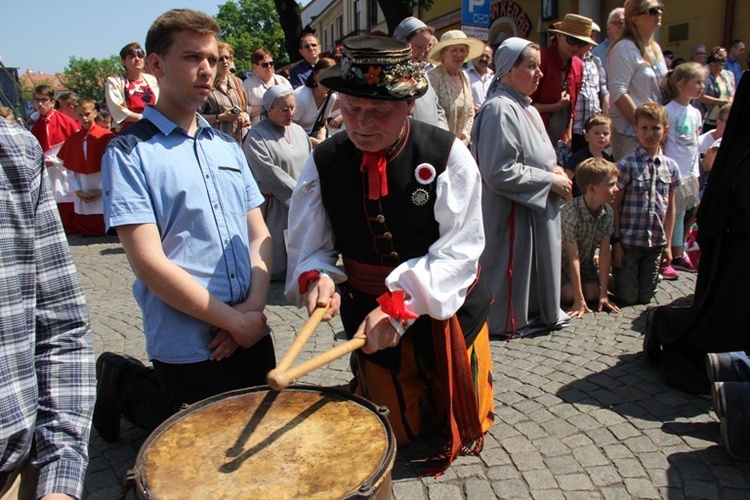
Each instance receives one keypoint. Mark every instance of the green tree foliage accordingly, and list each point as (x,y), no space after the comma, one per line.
(248,25)
(86,77)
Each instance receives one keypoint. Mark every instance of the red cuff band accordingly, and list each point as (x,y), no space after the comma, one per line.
(304,280)
(392,303)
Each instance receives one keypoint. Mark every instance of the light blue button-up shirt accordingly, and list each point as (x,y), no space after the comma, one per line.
(197,190)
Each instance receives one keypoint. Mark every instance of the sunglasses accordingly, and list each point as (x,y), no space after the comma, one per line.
(575,41)
(310,46)
(225,58)
(654,11)
(267,64)
(136,53)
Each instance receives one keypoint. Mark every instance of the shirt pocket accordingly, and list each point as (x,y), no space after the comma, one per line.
(230,184)
(641,183)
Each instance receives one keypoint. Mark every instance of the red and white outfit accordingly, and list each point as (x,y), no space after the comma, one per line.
(51,131)
(82,155)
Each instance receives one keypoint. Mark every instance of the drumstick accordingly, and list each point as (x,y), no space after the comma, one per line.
(302,337)
(280,379)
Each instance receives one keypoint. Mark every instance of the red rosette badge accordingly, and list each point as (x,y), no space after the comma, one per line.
(425,173)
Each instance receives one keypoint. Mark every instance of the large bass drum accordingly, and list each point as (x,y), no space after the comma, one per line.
(303,442)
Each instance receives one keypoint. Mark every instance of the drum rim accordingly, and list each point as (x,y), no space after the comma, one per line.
(367,488)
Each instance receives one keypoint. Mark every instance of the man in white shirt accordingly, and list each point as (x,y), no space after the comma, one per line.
(480,75)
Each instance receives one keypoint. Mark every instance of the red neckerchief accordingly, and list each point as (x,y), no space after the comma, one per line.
(374,164)
(377,181)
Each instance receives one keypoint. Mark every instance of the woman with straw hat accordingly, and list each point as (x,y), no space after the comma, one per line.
(556,96)
(451,84)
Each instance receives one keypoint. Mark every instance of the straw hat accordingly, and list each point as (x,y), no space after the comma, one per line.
(456,37)
(576,26)
(379,68)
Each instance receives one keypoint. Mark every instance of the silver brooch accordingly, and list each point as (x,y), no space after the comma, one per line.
(420,197)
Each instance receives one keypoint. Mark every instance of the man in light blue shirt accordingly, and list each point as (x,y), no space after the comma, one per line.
(734,54)
(615,24)
(186,209)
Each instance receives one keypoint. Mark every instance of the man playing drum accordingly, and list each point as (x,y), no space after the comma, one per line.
(186,209)
(400,201)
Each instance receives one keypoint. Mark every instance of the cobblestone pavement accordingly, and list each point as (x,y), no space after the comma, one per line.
(579,413)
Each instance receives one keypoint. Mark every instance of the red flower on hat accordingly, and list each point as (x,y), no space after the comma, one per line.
(372,77)
(425,173)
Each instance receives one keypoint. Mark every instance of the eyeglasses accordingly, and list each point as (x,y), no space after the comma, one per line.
(575,41)
(654,11)
(285,109)
(225,58)
(266,64)
(136,53)
(310,46)
(617,22)
(41,100)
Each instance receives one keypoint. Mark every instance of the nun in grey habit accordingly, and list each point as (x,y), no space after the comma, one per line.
(521,198)
(277,149)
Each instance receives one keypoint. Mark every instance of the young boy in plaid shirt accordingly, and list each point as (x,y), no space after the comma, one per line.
(644,209)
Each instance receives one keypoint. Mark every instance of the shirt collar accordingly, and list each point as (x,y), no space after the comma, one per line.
(167,126)
(644,157)
(584,209)
(515,94)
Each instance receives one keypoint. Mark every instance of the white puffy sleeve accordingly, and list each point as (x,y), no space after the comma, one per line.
(437,282)
(310,244)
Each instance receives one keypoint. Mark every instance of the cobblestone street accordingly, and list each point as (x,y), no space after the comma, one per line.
(579,412)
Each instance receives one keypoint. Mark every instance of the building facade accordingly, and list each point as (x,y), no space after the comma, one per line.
(686,23)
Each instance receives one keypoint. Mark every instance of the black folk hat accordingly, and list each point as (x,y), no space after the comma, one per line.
(376,68)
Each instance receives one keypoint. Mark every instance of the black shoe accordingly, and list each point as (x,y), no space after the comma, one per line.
(735,432)
(651,345)
(106,419)
(719,367)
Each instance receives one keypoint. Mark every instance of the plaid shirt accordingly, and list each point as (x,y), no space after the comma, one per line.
(579,225)
(646,183)
(594,85)
(47,377)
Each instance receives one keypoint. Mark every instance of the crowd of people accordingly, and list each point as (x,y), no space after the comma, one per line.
(487,197)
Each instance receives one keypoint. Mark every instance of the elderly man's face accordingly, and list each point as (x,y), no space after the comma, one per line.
(483,61)
(374,125)
(615,26)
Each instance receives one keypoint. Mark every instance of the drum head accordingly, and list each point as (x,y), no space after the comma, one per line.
(302,442)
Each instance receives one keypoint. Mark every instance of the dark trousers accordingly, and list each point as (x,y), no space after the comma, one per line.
(148,396)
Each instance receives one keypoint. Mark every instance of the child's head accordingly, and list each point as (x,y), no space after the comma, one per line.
(721,120)
(651,124)
(598,131)
(86,112)
(103,120)
(685,80)
(44,99)
(597,177)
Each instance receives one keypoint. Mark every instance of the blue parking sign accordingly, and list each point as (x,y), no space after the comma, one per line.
(475,12)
